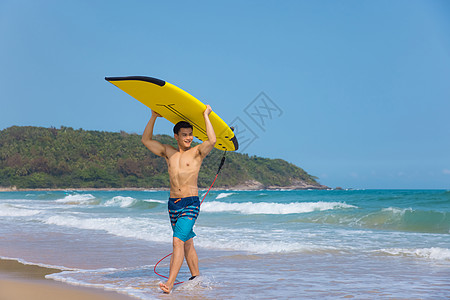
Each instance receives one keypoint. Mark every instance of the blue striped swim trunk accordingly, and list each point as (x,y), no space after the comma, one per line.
(183,213)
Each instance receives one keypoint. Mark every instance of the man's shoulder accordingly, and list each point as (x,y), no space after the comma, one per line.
(197,151)
(170,147)
(170,150)
(196,148)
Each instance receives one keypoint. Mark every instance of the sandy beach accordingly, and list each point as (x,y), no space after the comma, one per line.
(19,282)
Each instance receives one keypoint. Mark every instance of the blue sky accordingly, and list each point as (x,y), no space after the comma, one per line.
(362,88)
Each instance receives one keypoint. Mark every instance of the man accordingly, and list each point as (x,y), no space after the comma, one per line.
(183,166)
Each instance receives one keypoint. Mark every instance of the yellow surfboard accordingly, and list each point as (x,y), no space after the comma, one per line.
(176,105)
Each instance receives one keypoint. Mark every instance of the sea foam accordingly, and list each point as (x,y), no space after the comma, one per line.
(139,228)
(259,246)
(77,199)
(224,195)
(121,201)
(434,253)
(7,210)
(272,208)
(24,262)
(155,201)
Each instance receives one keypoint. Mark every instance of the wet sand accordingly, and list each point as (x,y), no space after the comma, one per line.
(19,281)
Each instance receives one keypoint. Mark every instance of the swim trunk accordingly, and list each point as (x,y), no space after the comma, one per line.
(183,213)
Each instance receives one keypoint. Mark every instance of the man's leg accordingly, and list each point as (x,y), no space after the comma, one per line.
(175,264)
(191,257)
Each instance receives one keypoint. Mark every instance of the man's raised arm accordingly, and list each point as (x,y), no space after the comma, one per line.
(208,145)
(147,137)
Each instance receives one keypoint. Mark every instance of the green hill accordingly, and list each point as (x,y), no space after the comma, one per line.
(36,157)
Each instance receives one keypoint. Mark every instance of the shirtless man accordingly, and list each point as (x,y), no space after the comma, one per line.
(183,166)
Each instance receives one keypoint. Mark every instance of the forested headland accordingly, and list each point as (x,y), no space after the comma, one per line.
(64,158)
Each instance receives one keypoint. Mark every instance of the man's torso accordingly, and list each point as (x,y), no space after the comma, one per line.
(183,167)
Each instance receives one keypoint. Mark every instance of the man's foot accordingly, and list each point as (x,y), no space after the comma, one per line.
(165,288)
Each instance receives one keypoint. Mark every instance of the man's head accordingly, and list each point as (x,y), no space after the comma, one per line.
(179,125)
(183,134)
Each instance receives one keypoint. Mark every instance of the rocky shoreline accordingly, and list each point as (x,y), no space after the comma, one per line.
(256,185)
(250,185)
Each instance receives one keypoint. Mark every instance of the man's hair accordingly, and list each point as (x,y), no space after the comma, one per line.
(181,124)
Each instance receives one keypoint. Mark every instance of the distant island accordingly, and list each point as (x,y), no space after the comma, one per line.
(65,158)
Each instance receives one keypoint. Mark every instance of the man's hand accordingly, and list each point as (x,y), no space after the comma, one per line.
(206,147)
(155,114)
(207,111)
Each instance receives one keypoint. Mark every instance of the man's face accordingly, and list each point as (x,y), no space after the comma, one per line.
(184,137)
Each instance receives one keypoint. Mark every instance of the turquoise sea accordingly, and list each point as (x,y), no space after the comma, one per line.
(361,244)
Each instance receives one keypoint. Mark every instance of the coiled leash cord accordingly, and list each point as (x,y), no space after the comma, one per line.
(220,167)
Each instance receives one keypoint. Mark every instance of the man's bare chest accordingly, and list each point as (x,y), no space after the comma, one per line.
(183,163)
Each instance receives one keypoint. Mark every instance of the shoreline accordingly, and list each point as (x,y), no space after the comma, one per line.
(236,188)
(21,281)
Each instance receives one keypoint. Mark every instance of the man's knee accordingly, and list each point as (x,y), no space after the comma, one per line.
(178,243)
(188,245)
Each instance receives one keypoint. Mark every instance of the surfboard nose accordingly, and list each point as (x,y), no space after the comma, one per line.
(139,78)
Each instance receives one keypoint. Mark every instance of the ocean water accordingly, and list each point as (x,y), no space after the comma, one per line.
(361,244)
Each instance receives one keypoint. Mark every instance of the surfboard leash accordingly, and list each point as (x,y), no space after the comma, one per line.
(217,174)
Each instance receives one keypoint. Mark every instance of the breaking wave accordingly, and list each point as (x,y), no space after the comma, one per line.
(434,253)
(272,208)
